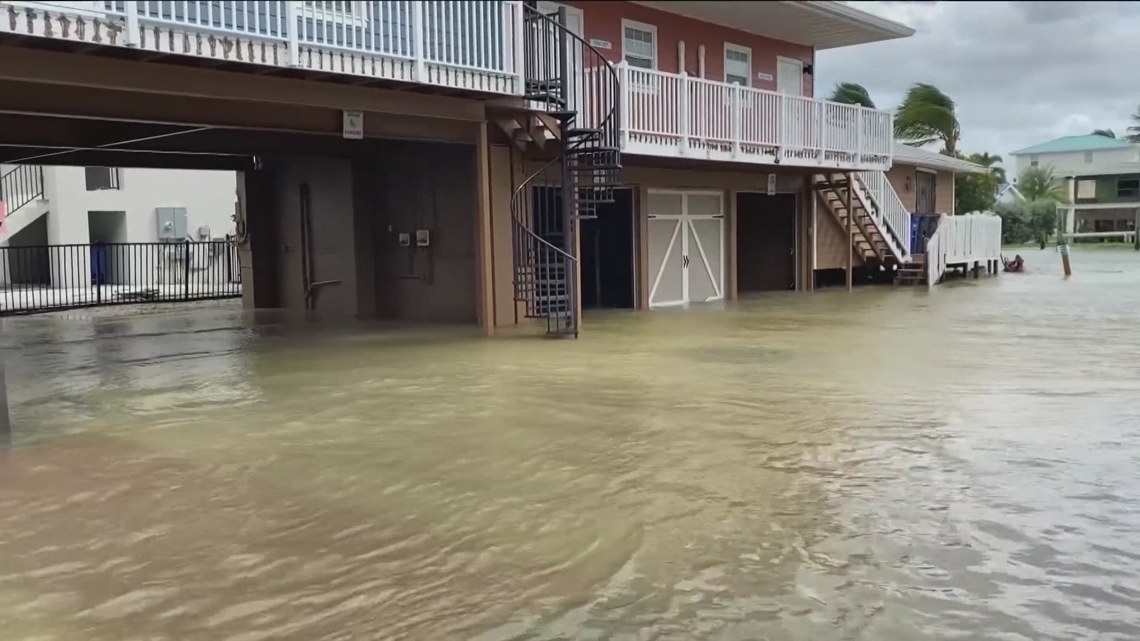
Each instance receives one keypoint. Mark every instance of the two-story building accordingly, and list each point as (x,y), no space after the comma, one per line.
(484,162)
(1099,175)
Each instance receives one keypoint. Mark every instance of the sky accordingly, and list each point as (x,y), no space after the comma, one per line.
(1020,73)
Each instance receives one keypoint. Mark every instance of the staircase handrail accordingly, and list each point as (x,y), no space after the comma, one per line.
(890,212)
(29,176)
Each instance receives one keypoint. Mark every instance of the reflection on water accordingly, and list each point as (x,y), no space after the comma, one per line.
(875,465)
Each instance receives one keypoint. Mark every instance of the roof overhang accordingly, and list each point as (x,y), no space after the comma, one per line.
(909,155)
(818,24)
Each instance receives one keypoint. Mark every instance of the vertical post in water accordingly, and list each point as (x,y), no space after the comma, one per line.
(850,233)
(569,187)
(1135,230)
(5,418)
(186,272)
(1065,260)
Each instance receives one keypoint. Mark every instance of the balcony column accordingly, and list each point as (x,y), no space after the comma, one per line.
(418,40)
(683,112)
(623,103)
(737,119)
(292,13)
(131,30)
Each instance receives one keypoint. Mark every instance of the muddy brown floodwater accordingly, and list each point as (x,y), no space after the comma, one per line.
(880,465)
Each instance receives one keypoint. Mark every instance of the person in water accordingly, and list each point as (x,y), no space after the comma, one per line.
(1015,265)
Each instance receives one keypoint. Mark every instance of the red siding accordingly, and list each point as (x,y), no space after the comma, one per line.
(603,22)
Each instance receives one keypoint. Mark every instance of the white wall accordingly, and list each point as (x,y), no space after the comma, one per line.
(208,197)
(1073,163)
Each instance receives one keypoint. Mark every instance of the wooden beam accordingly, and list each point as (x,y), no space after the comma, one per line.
(484,248)
(850,242)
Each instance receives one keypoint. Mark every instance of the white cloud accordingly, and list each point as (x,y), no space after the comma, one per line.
(1020,72)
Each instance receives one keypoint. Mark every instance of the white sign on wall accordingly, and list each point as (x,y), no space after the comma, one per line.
(760,75)
(601,44)
(352,126)
(771,184)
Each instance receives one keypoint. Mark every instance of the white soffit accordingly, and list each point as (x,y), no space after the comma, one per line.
(821,24)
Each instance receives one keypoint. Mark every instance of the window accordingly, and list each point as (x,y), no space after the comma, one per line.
(1127,188)
(737,65)
(1088,157)
(639,44)
(1086,189)
(100,178)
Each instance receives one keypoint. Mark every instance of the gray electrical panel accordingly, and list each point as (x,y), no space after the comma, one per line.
(171,222)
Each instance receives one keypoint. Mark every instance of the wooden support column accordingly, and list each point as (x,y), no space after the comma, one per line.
(850,235)
(484,249)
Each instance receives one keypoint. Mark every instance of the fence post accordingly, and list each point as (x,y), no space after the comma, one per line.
(186,273)
(418,41)
(683,112)
(737,119)
(292,13)
(623,103)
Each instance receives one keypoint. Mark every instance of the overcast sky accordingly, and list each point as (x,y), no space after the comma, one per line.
(1020,72)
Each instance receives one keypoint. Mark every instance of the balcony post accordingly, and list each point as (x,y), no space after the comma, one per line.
(821,127)
(623,103)
(292,14)
(131,35)
(860,122)
(418,44)
(517,25)
(737,119)
(683,112)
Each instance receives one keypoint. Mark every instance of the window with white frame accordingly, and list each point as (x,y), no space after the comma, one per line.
(639,44)
(1086,189)
(1088,157)
(737,65)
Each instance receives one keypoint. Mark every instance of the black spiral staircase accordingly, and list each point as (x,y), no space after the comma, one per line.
(572,91)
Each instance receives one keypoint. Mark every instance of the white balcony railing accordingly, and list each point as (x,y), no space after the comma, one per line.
(457,44)
(961,240)
(667,114)
(889,212)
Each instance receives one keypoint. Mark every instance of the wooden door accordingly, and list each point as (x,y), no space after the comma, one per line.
(925,196)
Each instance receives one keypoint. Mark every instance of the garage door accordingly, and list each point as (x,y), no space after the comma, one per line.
(686,247)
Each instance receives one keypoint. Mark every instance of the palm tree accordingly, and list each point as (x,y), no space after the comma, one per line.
(1134,130)
(850,93)
(988,160)
(1107,133)
(1040,183)
(927,116)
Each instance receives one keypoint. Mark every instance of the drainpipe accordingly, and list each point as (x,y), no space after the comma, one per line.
(312,288)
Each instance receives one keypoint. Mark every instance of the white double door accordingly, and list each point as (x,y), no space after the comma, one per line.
(686,247)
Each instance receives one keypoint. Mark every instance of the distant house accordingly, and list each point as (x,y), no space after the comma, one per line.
(1079,155)
(1009,194)
(1101,177)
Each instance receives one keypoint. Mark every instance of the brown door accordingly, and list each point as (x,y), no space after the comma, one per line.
(765,242)
(924,193)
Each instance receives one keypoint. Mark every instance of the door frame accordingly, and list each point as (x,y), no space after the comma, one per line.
(933,189)
(799,63)
(684,224)
(797,231)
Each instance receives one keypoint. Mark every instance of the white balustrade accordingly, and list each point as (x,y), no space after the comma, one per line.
(667,114)
(962,240)
(464,44)
(890,212)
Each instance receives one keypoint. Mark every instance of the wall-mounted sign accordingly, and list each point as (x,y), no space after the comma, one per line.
(352,125)
(771,184)
(601,44)
(760,75)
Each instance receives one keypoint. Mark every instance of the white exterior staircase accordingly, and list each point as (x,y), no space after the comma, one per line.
(22,190)
(879,222)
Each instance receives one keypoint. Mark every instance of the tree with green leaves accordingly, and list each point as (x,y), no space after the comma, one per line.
(1041,183)
(1134,130)
(1107,133)
(850,93)
(928,116)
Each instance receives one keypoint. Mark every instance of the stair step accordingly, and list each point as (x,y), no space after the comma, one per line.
(583,132)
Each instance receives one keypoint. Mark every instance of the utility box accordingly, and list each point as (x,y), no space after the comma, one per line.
(171,222)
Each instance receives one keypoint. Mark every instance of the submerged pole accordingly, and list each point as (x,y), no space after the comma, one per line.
(1064,248)
(850,234)
(5,418)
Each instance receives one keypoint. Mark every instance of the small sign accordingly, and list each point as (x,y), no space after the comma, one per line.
(601,44)
(352,126)
(760,75)
(771,184)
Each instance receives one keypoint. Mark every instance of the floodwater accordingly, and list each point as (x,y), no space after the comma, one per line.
(881,465)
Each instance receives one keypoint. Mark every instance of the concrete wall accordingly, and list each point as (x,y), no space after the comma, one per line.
(208,197)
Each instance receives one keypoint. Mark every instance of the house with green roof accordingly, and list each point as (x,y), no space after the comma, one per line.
(1101,177)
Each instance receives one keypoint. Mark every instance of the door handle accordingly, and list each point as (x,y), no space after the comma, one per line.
(684,261)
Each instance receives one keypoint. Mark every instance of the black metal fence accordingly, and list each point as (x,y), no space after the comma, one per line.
(43,278)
